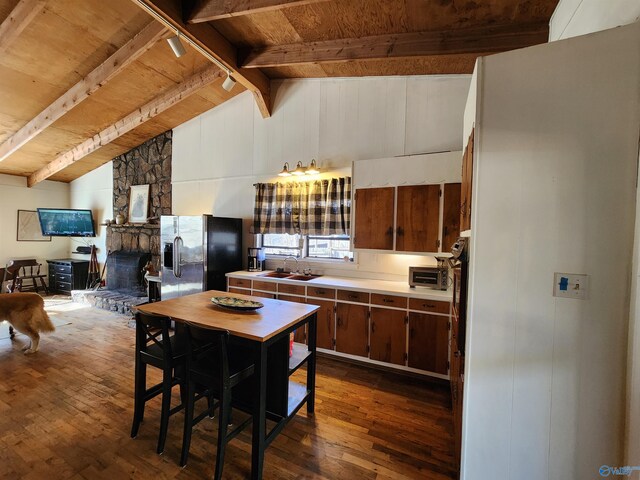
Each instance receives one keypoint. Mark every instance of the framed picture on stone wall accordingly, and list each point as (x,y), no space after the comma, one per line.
(138,203)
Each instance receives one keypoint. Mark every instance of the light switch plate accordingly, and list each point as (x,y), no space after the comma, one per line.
(571,285)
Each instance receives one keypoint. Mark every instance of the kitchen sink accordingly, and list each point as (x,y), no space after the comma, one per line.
(289,276)
(304,278)
(277,275)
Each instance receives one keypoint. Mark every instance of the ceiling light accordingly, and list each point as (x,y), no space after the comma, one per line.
(229,82)
(176,45)
(312,170)
(300,170)
(285,171)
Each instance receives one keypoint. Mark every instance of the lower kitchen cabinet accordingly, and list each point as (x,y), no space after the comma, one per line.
(352,329)
(394,329)
(326,323)
(428,342)
(388,335)
(300,334)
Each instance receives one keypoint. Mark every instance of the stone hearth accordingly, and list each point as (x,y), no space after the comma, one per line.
(108,300)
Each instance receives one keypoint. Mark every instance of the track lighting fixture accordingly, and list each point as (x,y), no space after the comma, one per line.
(176,45)
(178,48)
(229,82)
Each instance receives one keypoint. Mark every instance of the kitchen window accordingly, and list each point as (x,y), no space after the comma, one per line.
(335,247)
(305,219)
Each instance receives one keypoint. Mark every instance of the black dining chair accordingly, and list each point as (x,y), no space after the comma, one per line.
(218,367)
(155,346)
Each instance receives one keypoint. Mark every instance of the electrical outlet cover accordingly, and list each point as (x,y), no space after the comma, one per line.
(571,285)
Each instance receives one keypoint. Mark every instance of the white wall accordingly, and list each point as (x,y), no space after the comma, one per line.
(579,17)
(554,191)
(16,196)
(95,192)
(220,154)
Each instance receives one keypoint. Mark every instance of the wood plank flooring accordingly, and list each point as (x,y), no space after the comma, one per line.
(65,413)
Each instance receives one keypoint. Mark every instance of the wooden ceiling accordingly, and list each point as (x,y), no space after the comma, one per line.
(84,81)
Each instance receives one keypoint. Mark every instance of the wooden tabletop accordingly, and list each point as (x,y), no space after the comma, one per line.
(260,325)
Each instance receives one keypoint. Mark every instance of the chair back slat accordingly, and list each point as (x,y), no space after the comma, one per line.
(208,342)
(151,330)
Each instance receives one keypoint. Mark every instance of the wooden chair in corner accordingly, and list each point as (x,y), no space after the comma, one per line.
(26,274)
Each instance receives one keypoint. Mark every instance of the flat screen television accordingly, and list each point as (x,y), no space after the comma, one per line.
(65,222)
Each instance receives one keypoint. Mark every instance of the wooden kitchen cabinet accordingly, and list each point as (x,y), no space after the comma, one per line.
(466,187)
(374,218)
(326,323)
(388,335)
(428,342)
(300,334)
(418,218)
(352,329)
(451,215)
(373,325)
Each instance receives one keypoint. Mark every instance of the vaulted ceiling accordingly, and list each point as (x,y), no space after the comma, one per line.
(84,81)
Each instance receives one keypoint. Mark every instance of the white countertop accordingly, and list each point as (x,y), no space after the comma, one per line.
(358,284)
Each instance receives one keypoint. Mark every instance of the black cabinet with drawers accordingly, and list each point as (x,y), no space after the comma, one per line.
(67,274)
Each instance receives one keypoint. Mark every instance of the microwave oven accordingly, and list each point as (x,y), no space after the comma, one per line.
(432,277)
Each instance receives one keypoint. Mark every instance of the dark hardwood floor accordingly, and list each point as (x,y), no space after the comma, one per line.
(65,412)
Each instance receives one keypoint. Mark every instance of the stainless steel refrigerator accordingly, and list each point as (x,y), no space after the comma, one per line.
(197,252)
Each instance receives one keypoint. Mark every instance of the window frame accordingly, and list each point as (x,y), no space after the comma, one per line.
(304,248)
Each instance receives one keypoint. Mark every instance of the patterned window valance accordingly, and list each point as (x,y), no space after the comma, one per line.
(320,207)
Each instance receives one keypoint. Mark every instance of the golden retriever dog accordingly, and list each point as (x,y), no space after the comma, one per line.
(25,312)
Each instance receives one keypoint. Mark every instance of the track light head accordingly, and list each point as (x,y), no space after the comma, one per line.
(229,82)
(176,46)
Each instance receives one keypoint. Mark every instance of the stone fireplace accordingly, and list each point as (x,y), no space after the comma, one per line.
(147,164)
(131,246)
(125,272)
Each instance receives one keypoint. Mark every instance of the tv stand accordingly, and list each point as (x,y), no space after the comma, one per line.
(66,274)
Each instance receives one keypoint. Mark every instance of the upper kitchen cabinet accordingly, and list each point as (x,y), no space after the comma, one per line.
(418,218)
(407,204)
(451,214)
(467,177)
(374,220)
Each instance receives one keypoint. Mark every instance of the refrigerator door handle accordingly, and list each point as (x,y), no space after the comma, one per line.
(177,260)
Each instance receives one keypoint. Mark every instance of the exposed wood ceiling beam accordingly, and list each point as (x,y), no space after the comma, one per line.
(209,10)
(478,40)
(212,42)
(123,57)
(146,112)
(21,16)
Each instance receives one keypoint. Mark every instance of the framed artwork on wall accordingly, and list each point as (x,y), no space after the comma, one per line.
(29,227)
(138,203)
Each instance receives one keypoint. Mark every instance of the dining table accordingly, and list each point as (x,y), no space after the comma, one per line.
(266,331)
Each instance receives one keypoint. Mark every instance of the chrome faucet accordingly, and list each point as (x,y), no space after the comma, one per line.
(284,264)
